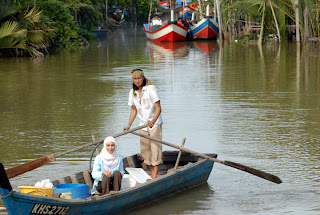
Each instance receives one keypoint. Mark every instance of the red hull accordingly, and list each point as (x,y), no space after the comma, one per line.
(206,33)
(167,33)
(171,37)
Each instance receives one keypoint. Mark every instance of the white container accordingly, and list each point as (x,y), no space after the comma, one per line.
(138,174)
(128,181)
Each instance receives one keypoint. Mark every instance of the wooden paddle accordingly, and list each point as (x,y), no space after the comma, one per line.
(20,169)
(241,167)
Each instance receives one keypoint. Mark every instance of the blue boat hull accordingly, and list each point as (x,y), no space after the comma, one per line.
(207,28)
(187,177)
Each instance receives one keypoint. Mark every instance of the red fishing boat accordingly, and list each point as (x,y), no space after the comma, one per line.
(169,32)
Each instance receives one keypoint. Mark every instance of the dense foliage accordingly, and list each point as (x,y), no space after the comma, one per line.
(22,31)
(277,17)
(66,32)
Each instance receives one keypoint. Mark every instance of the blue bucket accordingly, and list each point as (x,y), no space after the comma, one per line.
(77,190)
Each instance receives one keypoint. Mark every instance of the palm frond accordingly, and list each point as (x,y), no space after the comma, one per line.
(11,28)
(7,9)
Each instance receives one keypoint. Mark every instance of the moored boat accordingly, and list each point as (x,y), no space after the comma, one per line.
(207,28)
(168,32)
(192,171)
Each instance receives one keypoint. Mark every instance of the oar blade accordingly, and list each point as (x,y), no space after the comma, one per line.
(253,171)
(20,169)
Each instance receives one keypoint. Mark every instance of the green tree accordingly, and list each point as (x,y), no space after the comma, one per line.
(85,13)
(138,10)
(67,32)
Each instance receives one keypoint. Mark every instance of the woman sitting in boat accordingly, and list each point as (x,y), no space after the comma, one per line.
(107,169)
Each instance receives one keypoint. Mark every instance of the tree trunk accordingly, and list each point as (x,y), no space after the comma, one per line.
(306,25)
(247,25)
(262,23)
(219,18)
(275,20)
(106,10)
(149,17)
(297,21)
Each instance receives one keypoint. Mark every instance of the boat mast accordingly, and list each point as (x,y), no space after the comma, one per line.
(172,15)
(200,10)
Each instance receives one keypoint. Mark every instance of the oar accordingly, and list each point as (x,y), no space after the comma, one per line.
(20,169)
(244,168)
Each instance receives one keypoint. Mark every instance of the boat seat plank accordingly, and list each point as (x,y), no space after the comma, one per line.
(74,179)
(55,182)
(88,178)
(62,181)
(67,180)
(80,178)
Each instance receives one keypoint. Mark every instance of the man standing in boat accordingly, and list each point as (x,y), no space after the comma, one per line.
(145,101)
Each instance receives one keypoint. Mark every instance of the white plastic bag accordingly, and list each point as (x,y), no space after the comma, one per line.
(44,183)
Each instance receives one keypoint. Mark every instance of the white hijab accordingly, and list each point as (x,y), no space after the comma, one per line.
(110,160)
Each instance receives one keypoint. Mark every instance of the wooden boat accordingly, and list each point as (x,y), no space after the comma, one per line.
(111,24)
(207,28)
(192,171)
(168,32)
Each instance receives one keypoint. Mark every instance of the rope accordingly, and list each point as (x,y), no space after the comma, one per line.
(2,197)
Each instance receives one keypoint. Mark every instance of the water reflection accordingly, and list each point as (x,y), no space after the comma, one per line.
(206,47)
(158,50)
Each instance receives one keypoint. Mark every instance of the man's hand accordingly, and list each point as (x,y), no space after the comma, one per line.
(126,128)
(150,124)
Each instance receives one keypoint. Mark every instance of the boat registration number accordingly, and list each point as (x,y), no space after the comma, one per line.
(49,209)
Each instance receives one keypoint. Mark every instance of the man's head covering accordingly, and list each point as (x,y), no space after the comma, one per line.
(137,73)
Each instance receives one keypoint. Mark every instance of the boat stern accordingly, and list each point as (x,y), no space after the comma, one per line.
(6,190)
